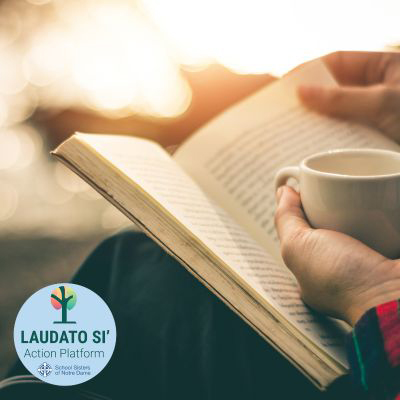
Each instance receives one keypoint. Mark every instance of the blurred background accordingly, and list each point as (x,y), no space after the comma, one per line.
(154,68)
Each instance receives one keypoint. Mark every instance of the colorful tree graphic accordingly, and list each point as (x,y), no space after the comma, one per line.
(65,298)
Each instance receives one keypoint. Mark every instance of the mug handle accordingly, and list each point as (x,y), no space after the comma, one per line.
(284,174)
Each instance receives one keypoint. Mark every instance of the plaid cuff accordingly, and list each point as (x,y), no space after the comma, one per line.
(373,349)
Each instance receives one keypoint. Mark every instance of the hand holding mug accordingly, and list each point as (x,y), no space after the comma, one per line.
(356,192)
(338,275)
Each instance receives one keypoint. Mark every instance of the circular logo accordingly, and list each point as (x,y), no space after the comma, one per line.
(64,334)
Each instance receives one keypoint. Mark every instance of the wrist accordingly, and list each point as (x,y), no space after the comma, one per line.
(383,291)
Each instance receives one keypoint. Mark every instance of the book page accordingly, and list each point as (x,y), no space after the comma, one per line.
(148,165)
(235,157)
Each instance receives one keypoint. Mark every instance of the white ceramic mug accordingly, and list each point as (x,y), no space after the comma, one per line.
(356,192)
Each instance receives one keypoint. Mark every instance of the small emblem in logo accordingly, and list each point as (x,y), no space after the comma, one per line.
(45,369)
(65,298)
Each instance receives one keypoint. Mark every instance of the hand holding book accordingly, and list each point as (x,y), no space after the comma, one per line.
(369,91)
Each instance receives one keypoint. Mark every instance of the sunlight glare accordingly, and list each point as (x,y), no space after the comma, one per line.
(255,36)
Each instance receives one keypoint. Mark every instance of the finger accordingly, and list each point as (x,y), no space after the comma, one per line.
(358,103)
(289,216)
(357,67)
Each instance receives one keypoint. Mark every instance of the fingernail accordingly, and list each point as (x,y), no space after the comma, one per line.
(279,193)
(309,92)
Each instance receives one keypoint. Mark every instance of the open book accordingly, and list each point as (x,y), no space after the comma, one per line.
(211,207)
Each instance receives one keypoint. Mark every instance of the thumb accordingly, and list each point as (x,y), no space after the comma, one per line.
(289,216)
(292,227)
(350,102)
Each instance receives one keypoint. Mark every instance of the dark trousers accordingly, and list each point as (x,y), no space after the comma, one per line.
(176,340)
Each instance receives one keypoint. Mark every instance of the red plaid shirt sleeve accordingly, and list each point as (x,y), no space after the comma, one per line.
(374,352)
